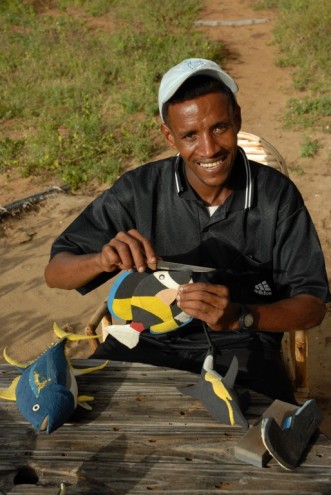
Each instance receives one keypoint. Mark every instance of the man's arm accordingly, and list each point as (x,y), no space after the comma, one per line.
(212,304)
(126,251)
(72,271)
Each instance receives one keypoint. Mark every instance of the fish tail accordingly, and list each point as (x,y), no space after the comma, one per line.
(85,371)
(13,361)
(59,332)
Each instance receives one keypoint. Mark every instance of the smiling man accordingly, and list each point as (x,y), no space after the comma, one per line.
(209,206)
(203,126)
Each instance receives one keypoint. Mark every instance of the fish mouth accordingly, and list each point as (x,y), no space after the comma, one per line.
(44,424)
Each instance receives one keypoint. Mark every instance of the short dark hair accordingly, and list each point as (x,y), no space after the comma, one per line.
(196,86)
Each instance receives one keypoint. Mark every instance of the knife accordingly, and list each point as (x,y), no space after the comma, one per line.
(181,267)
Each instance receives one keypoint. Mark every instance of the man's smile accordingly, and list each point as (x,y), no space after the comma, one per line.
(211,165)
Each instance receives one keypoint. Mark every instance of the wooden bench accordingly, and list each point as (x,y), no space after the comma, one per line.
(143,436)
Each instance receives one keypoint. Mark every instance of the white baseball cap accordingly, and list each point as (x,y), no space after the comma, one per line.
(177,75)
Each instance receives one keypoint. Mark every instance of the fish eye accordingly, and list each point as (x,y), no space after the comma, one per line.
(35,408)
(161,276)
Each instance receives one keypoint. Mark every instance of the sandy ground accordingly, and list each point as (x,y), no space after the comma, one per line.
(29,308)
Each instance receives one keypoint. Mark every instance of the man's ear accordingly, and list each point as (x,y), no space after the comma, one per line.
(237,118)
(168,135)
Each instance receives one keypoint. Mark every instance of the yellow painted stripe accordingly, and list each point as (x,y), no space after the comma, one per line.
(222,393)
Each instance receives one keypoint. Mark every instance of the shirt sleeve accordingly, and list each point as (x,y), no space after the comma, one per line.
(299,266)
(94,227)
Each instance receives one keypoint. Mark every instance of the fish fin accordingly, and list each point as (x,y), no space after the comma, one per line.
(84,371)
(208,364)
(231,374)
(82,401)
(59,332)
(13,361)
(10,392)
(63,489)
(124,334)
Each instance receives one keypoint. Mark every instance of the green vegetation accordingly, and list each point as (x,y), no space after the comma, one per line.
(79,82)
(308,112)
(266,4)
(310,147)
(297,170)
(303,34)
(79,78)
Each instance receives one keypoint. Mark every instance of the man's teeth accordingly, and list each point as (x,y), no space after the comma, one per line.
(211,165)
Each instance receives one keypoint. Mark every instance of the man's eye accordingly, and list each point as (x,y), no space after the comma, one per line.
(190,136)
(220,128)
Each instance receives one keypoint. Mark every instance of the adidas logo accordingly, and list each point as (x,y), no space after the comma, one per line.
(263,289)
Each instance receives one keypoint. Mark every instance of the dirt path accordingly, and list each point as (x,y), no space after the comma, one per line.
(28,307)
(264,90)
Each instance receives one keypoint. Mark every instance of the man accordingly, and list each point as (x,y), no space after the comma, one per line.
(209,206)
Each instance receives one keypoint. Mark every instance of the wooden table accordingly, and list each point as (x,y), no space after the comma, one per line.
(143,436)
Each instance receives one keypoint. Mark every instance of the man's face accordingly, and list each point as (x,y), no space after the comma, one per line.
(204,131)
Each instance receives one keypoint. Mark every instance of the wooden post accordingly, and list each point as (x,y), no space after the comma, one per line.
(92,325)
(301,362)
(295,351)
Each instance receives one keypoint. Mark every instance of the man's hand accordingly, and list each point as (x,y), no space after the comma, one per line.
(211,304)
(126,251)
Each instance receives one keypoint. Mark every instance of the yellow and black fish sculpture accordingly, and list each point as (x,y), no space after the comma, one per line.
(146,301)
(218,395)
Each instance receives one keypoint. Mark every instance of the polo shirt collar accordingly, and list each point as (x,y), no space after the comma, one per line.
(242,197)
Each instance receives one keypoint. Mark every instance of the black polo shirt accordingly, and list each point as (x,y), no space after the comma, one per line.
(261,240)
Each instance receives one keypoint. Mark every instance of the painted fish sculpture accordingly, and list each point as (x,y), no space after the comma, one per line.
(146,301)
(218,395)
(46,392)
(287,443)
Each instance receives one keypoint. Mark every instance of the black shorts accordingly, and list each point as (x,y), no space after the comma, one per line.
(261,366)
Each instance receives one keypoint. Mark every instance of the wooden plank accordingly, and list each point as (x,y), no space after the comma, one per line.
(144,436)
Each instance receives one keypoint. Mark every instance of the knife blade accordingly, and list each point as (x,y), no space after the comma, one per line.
(181,267)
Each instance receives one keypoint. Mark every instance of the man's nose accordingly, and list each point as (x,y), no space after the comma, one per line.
(207,144)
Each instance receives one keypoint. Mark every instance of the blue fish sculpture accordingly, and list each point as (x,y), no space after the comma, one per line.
(46,393)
